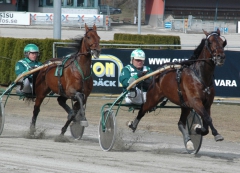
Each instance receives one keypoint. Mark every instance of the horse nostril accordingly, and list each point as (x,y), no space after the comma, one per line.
(222,56)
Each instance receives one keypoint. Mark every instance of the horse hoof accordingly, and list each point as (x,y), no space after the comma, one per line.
(195,126)
(32,129)
(84,123)
(218,138)
(189,145)
(130,125)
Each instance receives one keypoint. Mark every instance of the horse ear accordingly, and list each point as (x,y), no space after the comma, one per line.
(224,43)
(94,27)
(218,31)
(205,32)
(86,27)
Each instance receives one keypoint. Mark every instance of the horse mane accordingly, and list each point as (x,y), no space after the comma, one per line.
(77,44)
(198,50)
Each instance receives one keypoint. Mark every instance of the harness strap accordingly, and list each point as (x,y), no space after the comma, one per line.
(207,88)
(59,74)
(178,78)
(81,72)
(60,87)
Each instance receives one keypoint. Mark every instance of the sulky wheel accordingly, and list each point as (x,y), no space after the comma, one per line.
(2,117)
(194,120)
(107,130)
(76,130)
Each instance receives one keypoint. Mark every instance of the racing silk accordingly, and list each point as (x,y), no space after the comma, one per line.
(25,65)
(131,71)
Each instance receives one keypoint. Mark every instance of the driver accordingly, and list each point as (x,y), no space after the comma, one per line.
(133,71)
(30,61)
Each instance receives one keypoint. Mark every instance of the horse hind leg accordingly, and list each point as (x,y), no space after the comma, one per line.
(62,102)
(34,119)
(71,113)
(36,111)
(151,102)
(64,129)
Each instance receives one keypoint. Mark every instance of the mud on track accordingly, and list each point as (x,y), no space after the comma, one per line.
(156,146)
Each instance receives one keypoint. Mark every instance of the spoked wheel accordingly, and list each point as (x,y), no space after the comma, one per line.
(107,130)
(76,130)
(2,117)
(194,120)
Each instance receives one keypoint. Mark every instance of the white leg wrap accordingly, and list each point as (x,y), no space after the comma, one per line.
(84,123)
(27,86)
(189,145)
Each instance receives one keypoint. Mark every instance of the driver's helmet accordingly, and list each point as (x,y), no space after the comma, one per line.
(137,54)
(30,48)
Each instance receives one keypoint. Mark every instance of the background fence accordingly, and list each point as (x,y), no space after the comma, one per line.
(196,25)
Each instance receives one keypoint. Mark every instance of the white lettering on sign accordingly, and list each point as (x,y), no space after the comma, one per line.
(106,83)
(159,61)
(226,83)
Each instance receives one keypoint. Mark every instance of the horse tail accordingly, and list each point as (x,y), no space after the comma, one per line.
(29,98)
(152,84)
(35,75)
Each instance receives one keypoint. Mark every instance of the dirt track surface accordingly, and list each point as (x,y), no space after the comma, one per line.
(156,146)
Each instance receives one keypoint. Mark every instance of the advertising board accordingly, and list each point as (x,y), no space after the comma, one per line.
(107,68)
(14,18)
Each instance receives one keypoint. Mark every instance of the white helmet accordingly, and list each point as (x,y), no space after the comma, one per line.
(137,54)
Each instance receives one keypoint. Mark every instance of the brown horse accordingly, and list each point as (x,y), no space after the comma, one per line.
(191,87)
(74,83)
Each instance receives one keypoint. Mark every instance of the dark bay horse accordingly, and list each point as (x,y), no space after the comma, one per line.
(74,83)
(191,87)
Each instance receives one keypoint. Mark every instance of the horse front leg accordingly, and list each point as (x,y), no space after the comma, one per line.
(199,108)
(216,135)
(182,127)
(81,110)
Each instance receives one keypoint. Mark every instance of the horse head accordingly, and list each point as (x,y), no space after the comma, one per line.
(215,45)
(91,40)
